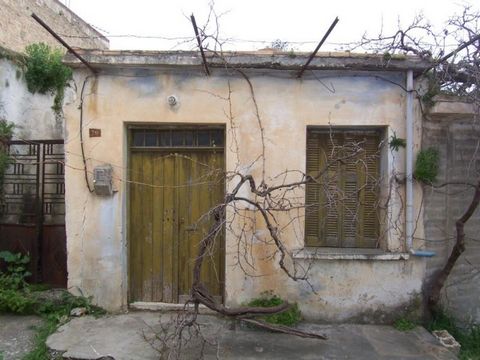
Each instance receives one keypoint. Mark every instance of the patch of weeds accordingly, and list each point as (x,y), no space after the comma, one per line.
(396,143)
(45,72)
(54,315)
(469,339)
(404,324)
(19,297)
(40,350)
(289,317)
(426,166)
(15,301)
(14,292)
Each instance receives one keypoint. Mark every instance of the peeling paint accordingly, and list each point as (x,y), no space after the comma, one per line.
(345,288)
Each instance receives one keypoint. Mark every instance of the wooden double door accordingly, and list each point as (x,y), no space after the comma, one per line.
(176,178)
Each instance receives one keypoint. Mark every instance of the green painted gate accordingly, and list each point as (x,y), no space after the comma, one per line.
(176,177)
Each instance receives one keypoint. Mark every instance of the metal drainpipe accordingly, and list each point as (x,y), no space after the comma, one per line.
(409,172)
(409,165)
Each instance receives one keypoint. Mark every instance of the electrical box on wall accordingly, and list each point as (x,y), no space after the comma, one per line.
(102,180)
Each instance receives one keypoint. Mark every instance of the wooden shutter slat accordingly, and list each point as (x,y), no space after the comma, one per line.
(312,191)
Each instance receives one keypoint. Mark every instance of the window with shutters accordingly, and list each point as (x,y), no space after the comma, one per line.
(341,200)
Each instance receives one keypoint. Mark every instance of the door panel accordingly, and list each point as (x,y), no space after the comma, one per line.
(170,196)
(201,173)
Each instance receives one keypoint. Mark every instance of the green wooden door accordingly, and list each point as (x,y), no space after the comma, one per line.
(171,194)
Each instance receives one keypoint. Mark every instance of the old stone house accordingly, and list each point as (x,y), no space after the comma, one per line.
(155,122)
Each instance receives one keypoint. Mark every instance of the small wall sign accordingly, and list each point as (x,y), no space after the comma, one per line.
(95,132)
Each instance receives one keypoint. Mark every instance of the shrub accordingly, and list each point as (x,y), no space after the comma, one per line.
(16,271)
(426,166)
(13,288)
(14,301)
(45,72)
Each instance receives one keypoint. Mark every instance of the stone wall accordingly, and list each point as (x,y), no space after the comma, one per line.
(453,130)
(18,29)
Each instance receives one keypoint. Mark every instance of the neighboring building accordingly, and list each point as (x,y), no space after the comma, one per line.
(160,122)
(32,113)
(32,205)
(18,29)
(452,127)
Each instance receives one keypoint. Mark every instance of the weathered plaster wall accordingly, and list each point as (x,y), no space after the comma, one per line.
(96,226)
(32,114)
(453,130)
(18,29)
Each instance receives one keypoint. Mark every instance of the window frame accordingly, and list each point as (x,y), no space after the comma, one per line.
(379,133)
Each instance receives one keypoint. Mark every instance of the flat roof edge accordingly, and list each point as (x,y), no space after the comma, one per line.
(246,60)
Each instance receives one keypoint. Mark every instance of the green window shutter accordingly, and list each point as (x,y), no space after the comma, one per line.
(312,192)
(370,192)
(341,203)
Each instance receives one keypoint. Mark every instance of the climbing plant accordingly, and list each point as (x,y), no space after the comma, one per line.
(45,73)
(426,166)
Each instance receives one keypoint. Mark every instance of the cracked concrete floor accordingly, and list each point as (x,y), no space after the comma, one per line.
(125,336)
(17,335)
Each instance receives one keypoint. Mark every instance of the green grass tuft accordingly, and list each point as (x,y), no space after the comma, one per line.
(290,317)
(404,324)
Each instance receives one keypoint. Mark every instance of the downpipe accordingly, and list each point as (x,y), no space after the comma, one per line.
(409,226)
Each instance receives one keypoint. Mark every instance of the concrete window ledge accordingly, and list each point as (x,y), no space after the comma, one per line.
(348,254)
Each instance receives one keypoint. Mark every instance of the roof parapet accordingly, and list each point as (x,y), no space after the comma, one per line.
(249,60)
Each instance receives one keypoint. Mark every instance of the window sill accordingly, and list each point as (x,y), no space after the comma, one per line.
(348,254)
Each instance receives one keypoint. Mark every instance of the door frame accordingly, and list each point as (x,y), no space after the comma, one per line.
(129,141)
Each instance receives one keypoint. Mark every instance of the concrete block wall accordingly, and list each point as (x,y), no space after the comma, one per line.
(458,142)
(18,29)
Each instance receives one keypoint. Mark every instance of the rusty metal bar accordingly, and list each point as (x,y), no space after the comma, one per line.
(61,41)
(199,41)
(304,67)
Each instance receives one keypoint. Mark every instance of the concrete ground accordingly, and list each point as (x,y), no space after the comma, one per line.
(132,336)
(17,335)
